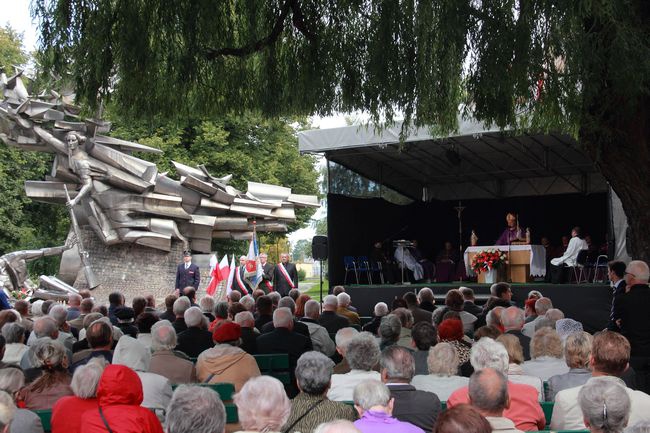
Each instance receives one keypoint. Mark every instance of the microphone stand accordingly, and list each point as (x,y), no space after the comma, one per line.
(459,210)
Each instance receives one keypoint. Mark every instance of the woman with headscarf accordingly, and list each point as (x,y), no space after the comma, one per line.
(157,389)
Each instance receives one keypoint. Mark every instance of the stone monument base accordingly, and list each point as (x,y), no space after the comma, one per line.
(131,269)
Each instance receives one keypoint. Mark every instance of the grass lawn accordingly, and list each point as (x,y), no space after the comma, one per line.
(314,291)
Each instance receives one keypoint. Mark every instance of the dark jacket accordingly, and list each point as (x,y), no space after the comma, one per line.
(635,326)
(298,327)
(187,277)
(280,283)
(420,315)
(249,340)
(472,308)
(263,320)
(179,325)
(524,341)
(332,321)
(420,408)
(617,296)
(193,341)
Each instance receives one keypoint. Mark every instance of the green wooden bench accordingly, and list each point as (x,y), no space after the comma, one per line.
(224,389)
(46,419)
(275,365)
(547,407)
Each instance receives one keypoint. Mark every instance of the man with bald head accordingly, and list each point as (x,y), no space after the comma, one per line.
(488,393)
(512,319)
(74,301)
(634,323)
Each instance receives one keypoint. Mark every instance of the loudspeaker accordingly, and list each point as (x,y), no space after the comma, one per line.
(319,247)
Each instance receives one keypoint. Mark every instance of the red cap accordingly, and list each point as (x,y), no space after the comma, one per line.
(226,331)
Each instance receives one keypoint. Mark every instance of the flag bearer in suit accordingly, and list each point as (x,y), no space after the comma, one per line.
(285,275)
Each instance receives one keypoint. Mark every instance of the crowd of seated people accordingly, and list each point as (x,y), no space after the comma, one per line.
(414,367)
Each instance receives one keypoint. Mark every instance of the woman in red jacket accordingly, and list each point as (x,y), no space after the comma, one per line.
(120,395)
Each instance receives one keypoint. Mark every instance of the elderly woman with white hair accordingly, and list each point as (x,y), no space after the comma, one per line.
(577,351)
(547,356)
(525,410)
(362,355)
(605,405)
(380,310)
(15,347)
(163,359)
(24,421)
(262,405)
(443,378)
(311,406)
(66,413)
(54,383)
(515,359)
(373,402)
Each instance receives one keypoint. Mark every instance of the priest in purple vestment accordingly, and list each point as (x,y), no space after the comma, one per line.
(512,232)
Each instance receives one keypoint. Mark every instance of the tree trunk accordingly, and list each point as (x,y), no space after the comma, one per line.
(619,144)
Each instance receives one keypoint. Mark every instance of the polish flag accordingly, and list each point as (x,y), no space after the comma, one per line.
(215,276)
(224,269)
(231,275)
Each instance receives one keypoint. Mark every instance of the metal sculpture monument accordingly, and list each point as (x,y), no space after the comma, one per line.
(124,199)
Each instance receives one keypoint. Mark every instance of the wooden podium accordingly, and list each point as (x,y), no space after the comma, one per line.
(519,258)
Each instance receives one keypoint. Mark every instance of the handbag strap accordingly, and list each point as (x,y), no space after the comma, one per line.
(101,414)
(312,407)
(209,378)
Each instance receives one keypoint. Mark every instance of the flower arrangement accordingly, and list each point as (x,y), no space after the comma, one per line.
(19,294)
(487,260)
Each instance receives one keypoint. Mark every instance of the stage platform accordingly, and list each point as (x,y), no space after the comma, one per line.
(586,303)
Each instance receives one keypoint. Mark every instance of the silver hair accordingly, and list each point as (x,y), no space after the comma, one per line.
(282,317)
(11,380)
(554,315)
(605,404)
(398,363)
(275,297)
(244,317)
(425,294)
(221,310)
(193,317)
(59,313)
(86,378)
(343,299)
(535,293)
(542,305)
(338,426)
(390,328)
(181,305)
(37,309)
(381,309)
(289,303)
(207,304)
(443,360)
(370,393)
(248,302)
(513,318)
(344,336)
(312,309)
(493,317)
(74,299)
(195,409)
(484,394)
(163,338)
(639,269)
(48,352)
(7,409)
(639,427)
(468,294)
(489,353)
(262,404)
(543,322)
(362,352)
(314,372)
(45,327)
(331,301)
(13,332)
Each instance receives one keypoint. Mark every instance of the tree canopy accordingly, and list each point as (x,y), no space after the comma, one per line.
(11,50)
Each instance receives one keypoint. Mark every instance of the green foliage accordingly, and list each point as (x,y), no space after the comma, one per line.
(301,251)
(302,275)
(11,50)
(423,59)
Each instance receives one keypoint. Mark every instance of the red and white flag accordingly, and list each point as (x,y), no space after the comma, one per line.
(215,276)
(231,275)
(224,269)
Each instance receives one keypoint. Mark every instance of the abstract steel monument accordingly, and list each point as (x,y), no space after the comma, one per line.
(124,199)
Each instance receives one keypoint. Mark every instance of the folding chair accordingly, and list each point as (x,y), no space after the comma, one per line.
(350,266)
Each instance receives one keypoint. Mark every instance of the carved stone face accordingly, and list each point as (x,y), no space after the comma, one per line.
(72,141)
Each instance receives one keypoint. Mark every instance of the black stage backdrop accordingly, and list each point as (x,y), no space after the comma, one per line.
(354,224)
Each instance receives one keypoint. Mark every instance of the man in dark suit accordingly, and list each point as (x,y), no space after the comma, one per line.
(298,327)
(267,277)
(512,319)
(469,304)
(632,311)
(419,315)
(329,319)
(194,339)
(284,340)
(240,283)
(420,408)
(285,276)
(187,273)
(616,274)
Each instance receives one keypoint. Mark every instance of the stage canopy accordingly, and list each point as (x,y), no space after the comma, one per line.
(474,163)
